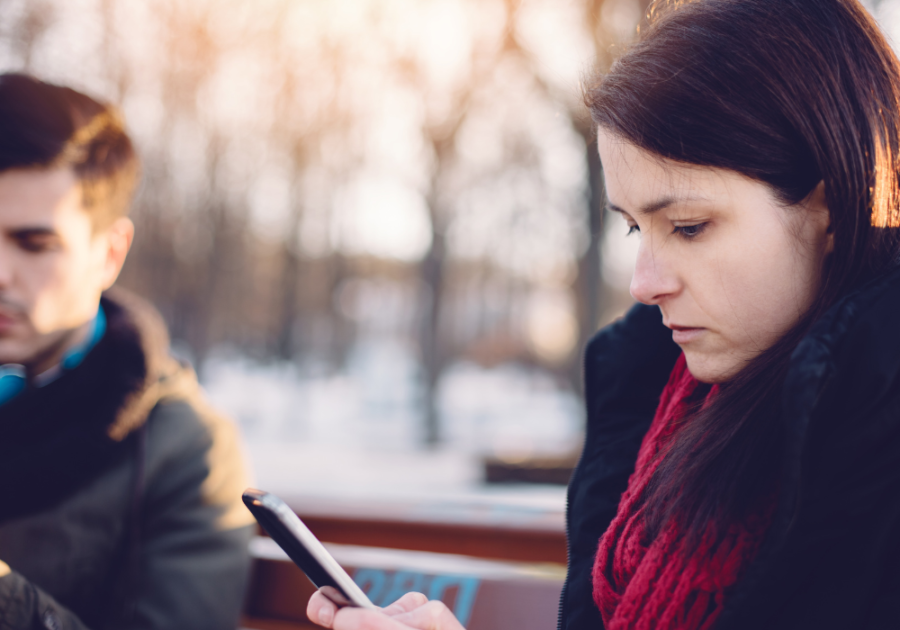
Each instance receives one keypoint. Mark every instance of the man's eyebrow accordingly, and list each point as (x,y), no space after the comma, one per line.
(31,231)
(655,206)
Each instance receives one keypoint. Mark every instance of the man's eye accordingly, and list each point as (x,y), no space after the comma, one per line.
(37,244)
(689,231)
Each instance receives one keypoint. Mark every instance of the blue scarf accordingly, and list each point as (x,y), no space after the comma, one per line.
(13,379)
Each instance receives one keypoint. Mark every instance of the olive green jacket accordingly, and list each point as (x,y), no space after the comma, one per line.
(121,506)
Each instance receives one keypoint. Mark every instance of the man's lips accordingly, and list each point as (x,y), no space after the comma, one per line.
(7,321)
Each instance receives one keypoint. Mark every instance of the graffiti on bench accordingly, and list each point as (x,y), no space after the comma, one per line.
(458,592)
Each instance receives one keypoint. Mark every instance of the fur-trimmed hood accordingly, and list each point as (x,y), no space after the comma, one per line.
(56,438)
(150,374)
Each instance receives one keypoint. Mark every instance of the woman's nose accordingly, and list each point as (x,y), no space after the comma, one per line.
(653,279)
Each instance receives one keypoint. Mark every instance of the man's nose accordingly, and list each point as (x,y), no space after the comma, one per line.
(654,278)
(6,266)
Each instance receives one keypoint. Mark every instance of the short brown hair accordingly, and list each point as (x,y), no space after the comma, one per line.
(46,125)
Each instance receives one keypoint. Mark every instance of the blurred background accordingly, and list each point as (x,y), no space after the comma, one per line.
(373,226)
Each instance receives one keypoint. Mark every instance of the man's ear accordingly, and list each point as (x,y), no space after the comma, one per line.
(817,204)
(119,237)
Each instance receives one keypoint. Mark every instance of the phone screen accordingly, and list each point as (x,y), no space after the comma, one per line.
(304,549)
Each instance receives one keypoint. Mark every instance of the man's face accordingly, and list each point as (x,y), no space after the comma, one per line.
(53,265)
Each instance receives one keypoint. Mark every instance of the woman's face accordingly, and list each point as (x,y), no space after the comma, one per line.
(730,267)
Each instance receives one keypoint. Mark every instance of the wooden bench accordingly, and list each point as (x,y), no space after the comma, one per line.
(505,572)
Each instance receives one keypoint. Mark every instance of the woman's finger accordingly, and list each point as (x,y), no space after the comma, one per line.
(405,604)
(365,619)
(432,616)
(321,610)
(413,611)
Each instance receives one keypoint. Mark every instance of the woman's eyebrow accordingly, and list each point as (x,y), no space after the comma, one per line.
(656,206)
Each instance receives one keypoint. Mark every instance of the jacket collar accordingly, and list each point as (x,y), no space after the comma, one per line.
(841,412)
(56,438)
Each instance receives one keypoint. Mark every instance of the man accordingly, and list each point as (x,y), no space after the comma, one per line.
(119,488)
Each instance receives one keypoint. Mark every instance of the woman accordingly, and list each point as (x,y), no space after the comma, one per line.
(742,460)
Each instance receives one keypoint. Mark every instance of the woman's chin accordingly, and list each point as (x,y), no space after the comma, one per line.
(712,367)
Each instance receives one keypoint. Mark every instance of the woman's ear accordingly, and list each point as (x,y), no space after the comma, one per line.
(817,206)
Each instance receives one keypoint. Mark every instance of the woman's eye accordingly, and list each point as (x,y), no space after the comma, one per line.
(689,231)
(632,229)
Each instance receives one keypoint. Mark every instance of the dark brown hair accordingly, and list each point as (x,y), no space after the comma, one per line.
(789,93)
(45,126)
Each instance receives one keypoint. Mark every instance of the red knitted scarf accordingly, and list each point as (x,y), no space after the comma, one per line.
(652,585)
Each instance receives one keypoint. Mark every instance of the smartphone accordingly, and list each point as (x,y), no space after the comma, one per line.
(304,549)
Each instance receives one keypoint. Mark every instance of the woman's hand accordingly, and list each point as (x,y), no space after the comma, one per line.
(413,610)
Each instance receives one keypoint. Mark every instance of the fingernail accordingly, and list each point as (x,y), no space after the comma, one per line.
(325,615)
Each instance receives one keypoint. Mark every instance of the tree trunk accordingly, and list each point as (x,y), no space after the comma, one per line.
(432,279)
(590,277)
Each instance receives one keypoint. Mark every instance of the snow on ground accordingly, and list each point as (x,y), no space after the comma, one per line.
(358,431)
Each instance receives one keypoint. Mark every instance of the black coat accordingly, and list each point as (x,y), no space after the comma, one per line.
(831,558)
(120,493)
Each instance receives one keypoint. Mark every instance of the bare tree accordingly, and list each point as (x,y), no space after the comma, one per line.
(196,255)
(26,33)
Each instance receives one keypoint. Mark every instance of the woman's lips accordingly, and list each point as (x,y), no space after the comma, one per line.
(685,334)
